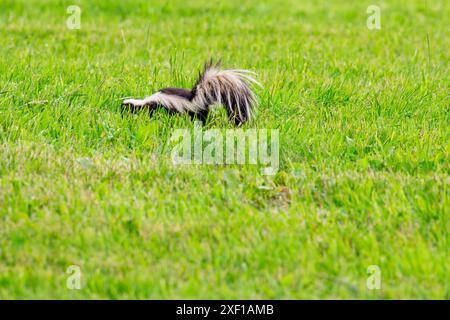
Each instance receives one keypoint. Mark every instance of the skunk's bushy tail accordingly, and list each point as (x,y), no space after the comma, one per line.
(230,87)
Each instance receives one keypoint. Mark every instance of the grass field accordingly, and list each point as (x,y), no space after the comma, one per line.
(363,120)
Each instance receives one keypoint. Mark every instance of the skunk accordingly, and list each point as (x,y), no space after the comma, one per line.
(230,87)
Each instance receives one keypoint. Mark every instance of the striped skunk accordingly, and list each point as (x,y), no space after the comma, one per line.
(230,87)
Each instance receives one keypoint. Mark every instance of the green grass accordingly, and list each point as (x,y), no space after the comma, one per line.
(363,118)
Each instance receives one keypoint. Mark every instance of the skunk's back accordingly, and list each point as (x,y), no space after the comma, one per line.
(230,87)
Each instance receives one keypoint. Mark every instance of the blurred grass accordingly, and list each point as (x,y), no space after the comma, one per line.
(363,118)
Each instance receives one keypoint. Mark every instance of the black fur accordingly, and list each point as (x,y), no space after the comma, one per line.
(184,93)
